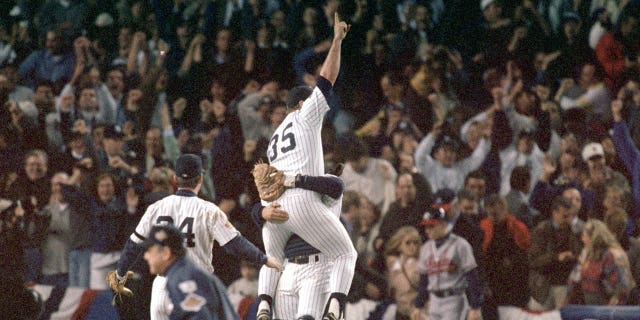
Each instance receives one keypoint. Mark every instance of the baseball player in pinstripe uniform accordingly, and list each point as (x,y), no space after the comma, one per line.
(303,285)
(200,222)
(296,148)
(448,270)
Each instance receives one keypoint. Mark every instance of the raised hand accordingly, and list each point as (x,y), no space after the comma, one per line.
(340,28)
(616,109)
(132,199)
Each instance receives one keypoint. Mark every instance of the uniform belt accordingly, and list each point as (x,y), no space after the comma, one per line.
(448,292)
(304,259)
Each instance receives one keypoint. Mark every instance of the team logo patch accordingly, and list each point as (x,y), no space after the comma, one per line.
(192,302)
(188,286)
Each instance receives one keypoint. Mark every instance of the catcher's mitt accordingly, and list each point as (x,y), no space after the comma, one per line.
(269,181)
(116,283)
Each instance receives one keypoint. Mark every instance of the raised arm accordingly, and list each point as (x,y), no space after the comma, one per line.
(331,66)
(622,138)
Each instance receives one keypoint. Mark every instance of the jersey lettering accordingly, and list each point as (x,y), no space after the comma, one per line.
(189,236)
(287,137)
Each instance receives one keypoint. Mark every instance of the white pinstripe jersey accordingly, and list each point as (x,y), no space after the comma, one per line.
(200,222)
(446,265)
(296,146)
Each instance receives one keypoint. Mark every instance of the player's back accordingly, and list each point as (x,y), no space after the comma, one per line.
(296,146)
(197,220)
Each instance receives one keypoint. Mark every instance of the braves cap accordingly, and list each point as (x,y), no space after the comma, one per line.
(443,198)
(433,215)
(189,166)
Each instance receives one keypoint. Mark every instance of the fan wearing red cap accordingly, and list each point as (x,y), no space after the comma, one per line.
(448,272)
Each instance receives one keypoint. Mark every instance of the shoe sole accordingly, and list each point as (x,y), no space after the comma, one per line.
(263,315)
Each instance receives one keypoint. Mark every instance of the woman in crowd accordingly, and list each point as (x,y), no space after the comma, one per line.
(401,255)
(602,275)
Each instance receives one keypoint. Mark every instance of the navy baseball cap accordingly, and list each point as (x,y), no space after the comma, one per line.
(189,166)
(165,235)
(443,198)
(433,215)
(296,94)
(113,132)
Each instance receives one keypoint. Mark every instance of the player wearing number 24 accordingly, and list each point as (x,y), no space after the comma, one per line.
(200,222)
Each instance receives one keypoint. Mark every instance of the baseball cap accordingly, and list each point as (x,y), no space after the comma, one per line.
(113,132)
(296,94)
(189,166)
(433,215)
(485,3)
(165,235)
(591,150)
(443,198)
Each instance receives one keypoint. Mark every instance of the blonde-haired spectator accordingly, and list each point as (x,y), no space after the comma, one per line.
(617,221)
(603,273)
(401,255)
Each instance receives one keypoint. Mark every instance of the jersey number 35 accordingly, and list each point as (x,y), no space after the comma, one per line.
(287,137)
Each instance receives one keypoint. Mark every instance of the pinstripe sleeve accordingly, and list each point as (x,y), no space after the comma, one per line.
(314,108)
(222,230)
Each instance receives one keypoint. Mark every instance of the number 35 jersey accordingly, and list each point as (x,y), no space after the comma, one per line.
(201,222)
(296,145)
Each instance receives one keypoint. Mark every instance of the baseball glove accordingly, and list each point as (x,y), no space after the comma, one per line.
(269,181)
(117,282)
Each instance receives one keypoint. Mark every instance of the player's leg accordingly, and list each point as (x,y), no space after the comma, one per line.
(286,297)
(312,221)
(448,308)
(158,297)
(275,237)
(314,287)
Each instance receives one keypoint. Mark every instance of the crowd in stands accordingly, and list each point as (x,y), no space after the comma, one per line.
(520,118)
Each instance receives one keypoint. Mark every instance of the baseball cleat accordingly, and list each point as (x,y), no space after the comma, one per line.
(263,315)
(330,316)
